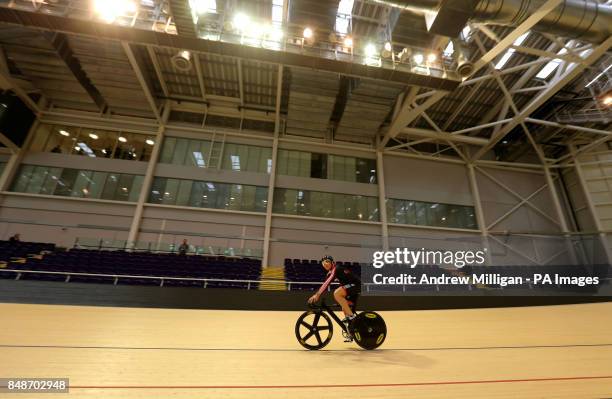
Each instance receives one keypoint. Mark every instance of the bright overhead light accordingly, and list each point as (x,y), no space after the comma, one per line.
(504,59)
(343,16)
(64,133)
(607,100)
(109,10)
(277,11)
(550,66)
(418,58)
(599,76)
(241,21)
(185,54)
(388,46)
(370,50)
(519,40)
(450,48)
(93,136)
(130,7)
(545,72)
(254,30)
(122,139)
(307,33)
(203,6)
(348,41)
(275,33)
(500,64)
(86,149)
(150,142)
(432,57)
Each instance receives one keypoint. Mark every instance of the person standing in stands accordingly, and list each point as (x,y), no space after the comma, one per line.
(15,239)
(183,248)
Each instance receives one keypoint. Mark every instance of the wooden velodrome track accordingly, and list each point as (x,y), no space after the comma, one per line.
(537,352)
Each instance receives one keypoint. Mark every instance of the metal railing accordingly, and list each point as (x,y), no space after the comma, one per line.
(159,247)
(116,277)
(291,40)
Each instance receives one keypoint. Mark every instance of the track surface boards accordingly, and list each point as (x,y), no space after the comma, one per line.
(553,352)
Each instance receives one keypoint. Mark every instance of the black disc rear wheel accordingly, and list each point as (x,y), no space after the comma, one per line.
(369,330)
(314,330)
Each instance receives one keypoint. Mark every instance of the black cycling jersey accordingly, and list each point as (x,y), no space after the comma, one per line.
(345,276)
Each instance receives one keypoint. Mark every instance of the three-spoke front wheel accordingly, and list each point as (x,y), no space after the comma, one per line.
(314,329)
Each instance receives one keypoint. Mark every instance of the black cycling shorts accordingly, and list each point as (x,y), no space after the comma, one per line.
(352,293)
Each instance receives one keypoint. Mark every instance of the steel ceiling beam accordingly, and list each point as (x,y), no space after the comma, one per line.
(501,108)
(141,79)
(408,114)
(508,41)
(158,71)
(8,83)
(61,45)
(198,68)
(568,127)
(240,82)
(554,86)
(8,143)
(512,105)
(445,136)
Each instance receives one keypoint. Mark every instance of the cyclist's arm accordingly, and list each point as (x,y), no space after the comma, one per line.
(327,282)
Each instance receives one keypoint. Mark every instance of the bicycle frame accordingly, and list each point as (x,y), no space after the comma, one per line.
(324,307)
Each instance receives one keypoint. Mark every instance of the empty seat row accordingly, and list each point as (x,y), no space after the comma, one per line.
(119,263)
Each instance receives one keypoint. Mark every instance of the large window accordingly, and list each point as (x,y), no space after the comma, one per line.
(78,183)
(2,166)
(93,142)
(199,194)
(323,166)
(329,205)
(358,170)
(236,157)
(430,214)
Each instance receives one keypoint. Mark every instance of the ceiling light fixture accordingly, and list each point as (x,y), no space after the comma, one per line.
(308,33)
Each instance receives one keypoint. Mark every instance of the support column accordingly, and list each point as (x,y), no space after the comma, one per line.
(16,157)
(480,219)
(590,204)
(272,178)
(148,179)
(382,197)
(555,198)
(560,215)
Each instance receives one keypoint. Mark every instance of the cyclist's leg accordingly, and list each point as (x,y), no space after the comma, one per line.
(352,298)
(340,297)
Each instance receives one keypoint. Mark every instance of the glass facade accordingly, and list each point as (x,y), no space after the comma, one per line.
(324,166)
(327,205)
(430,214)
(199,194)
(93,142)
(83,141)
(236,157)
(77,183)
